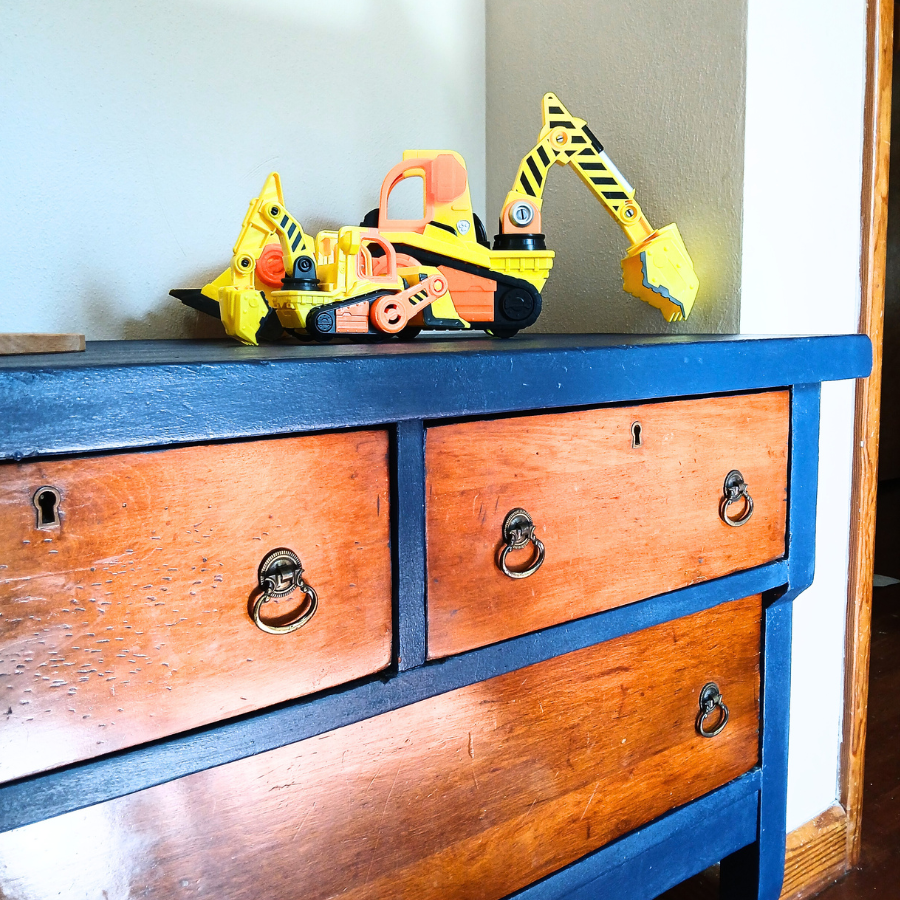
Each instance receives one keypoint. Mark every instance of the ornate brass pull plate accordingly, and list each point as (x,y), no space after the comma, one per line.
(518,532)
(735,487)
(280,574)
(710,699)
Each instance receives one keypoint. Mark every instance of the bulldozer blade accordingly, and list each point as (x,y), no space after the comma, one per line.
(660,272)
(197,300)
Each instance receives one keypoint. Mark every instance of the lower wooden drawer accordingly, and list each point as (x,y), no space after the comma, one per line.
(472,794)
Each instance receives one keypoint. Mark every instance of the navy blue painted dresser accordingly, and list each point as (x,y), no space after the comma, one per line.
(453,618)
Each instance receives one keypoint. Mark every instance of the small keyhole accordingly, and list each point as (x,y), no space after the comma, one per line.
(636,434)
(46,502)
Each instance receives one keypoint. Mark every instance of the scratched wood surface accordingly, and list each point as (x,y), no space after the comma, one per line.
(618,523)
(130,620)
(472,794)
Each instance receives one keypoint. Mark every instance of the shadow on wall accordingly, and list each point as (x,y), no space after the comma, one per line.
(185,322)
(143,130)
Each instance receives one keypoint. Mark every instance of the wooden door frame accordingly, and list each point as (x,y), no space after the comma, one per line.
(876,161)
(828,846)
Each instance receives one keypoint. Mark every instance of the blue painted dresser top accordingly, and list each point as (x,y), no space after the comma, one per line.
(120,394)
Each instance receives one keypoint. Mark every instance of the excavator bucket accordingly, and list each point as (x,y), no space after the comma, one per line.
(659,271)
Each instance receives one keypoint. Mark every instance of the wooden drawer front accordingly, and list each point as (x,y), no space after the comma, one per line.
(618,523)
(473,794)
(130,620)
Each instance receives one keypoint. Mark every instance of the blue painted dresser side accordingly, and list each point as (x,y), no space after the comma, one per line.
(757,871)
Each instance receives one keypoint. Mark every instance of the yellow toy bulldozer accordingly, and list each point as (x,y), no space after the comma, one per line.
(397,277)
(349,281)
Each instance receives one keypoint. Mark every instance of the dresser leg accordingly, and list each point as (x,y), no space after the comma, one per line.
(739,875)
(756,872)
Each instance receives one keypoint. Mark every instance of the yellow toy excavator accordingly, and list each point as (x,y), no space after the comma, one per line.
(391,276)
(656,267)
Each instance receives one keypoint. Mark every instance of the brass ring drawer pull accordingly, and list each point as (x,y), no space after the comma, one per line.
(735,488)
(710,699)
(280,574)
(518,532)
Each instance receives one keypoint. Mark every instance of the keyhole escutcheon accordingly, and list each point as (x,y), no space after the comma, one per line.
(636,434)
(46,504)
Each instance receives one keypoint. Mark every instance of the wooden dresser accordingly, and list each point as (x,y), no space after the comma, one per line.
(451,619)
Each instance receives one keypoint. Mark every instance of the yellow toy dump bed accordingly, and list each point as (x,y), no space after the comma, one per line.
(532,265)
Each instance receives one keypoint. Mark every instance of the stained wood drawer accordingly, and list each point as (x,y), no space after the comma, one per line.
(472,794)
(129,621)
(619,523)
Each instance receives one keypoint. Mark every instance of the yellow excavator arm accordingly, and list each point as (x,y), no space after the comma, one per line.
(266,216)
(238,296)
(657,267)
(298,250)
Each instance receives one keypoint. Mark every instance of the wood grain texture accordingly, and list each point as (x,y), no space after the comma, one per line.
(816,853)
(619,524)
(15,344)
(876,164)
(471,794)
(129,621)
(65,790)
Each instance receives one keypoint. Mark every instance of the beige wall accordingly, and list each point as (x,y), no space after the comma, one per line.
(135,134)
(662,86)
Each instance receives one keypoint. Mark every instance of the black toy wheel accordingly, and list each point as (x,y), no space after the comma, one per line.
(481,232)
(320,323)
(517,304)
(370,219)
(410,333)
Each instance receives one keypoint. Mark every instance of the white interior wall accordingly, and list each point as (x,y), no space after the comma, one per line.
(800,275)
(136,134)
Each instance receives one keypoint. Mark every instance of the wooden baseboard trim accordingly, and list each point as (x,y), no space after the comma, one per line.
(816,854)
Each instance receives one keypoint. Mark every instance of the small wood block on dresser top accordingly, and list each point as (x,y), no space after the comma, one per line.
(17,344)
